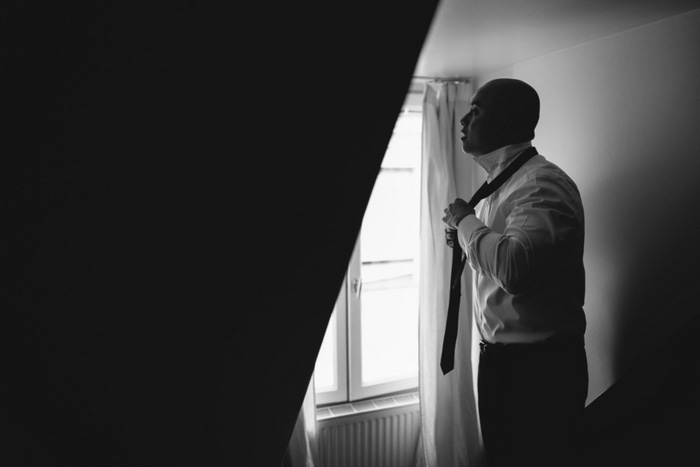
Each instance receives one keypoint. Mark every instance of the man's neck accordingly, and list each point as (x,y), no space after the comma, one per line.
(495,161)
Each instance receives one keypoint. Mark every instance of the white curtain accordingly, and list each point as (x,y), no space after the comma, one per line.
(302,448)
(450,434)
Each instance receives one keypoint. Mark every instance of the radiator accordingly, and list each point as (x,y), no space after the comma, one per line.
(380,433)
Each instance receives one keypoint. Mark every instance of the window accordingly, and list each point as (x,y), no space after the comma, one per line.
(371,344)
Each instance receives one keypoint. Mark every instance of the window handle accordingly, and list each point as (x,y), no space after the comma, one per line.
(357,286)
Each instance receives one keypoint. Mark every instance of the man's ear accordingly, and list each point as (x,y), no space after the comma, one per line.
(508,128)
(512,130)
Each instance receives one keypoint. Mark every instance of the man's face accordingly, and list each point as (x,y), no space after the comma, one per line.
(482,125)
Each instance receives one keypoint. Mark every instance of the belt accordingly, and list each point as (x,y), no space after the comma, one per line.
(552,342)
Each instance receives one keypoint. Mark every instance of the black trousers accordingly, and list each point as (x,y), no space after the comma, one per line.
(531,400)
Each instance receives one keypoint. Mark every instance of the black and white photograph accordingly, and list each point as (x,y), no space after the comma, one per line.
(435,233)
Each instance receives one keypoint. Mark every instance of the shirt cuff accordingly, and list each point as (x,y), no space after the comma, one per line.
(466,228)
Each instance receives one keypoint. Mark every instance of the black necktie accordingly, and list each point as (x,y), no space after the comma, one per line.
(447,361)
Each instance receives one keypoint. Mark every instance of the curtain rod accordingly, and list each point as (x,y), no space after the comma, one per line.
(443,80)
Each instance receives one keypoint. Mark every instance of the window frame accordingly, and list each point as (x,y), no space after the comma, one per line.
(340,392)
(348,322)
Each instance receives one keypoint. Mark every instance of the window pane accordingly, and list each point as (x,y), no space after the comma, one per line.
(389,322)
(389,243)
(405,144)
(390,226)
(326,371)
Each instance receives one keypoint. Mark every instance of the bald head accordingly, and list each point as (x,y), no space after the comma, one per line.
(503,112)
(516,103)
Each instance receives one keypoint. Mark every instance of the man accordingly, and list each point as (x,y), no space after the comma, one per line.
(525,247)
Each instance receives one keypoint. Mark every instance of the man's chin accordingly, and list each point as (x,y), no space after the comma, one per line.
(467,150)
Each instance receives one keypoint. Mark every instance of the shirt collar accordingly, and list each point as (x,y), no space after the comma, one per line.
(496,161)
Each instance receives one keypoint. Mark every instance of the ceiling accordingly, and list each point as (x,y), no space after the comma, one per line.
(474,37)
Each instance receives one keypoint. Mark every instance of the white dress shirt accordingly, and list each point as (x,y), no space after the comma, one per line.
(525,246)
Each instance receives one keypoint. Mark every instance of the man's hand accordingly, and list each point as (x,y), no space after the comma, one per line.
(455,212)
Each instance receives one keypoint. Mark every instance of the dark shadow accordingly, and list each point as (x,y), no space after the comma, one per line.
(182,186)
(646,418)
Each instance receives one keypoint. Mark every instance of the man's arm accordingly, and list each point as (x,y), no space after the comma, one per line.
(540,217)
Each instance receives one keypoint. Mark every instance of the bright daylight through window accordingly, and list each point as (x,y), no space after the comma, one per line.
(371,344)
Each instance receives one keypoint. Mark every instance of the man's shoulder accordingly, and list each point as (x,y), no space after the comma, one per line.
(541,173)
(545,169)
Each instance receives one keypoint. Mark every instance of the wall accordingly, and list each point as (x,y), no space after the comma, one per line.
(620,115)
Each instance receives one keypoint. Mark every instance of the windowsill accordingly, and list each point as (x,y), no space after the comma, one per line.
(364,406)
